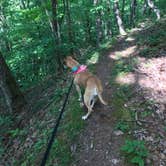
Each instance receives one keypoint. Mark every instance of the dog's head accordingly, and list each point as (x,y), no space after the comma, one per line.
(70,62)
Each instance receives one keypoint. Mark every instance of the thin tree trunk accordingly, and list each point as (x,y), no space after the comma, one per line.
(55,29)
(123,6)
(88,29)
(154,8)
(5,27)
(12,94)
(49,20)
(22,4)
(133,12)
(109,31)
(144,7)
(56,32)
(7,97)
(54,22)
(99,33)
(118,18)
(69,26)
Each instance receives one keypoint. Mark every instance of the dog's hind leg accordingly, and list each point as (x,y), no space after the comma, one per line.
(89,105)
(93,101)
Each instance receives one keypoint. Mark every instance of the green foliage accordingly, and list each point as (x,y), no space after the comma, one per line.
(69,128)
(28,43)
(124,92)
(145,114)
(5,120)
(17,132)
(135,151)
(124,67)
(123,126)
(153,41)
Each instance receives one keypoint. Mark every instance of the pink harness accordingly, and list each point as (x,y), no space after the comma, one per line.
(80,69)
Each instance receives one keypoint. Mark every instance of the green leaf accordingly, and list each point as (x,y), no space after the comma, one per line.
(138,160)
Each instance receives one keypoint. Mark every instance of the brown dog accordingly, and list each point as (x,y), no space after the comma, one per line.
(92,85)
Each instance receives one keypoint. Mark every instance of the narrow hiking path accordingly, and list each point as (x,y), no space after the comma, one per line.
(100,143)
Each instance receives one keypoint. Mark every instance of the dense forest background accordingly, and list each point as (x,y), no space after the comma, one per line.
(36,35)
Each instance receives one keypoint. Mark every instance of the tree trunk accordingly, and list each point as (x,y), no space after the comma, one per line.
(133,13)
(5,28)
(154,8)
(11,92)
(144,7)
(118,18)
(22,4)
(109,31)
(88,29)
(69,23)
(99,33)
(54,22)
(123,6)
(56,33)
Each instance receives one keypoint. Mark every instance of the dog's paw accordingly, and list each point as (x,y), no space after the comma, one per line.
(84,117)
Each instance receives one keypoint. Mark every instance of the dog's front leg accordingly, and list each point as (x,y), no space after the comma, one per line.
(80,94)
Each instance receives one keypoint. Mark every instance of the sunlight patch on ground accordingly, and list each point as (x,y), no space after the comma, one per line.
(94,59)
(130,38)
(150,75)
(123,53)
(153,77)
(125,78)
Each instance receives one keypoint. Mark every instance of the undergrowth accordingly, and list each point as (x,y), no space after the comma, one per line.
(69,129)
(124,96)
(135,151)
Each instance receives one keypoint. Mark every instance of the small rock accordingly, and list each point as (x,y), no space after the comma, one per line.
(115,161)
(163,156)
(118,132)
(91,145)
(149,138)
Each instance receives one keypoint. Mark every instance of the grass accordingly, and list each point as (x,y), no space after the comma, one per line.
(153,41)
(33,138)
(69,129)
(135,151)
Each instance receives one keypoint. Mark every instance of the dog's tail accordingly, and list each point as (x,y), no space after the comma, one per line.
(101,99)
(99,93)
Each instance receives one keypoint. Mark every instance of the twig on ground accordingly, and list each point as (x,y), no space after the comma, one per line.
(136,119)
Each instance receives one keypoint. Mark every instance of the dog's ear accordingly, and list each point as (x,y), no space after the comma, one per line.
(69,57)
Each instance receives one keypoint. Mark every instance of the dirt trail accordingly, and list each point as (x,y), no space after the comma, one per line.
(99,144)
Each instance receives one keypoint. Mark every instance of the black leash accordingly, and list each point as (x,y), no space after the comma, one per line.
(46,154)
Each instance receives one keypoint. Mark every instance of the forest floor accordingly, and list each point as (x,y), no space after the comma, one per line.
(131,129)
